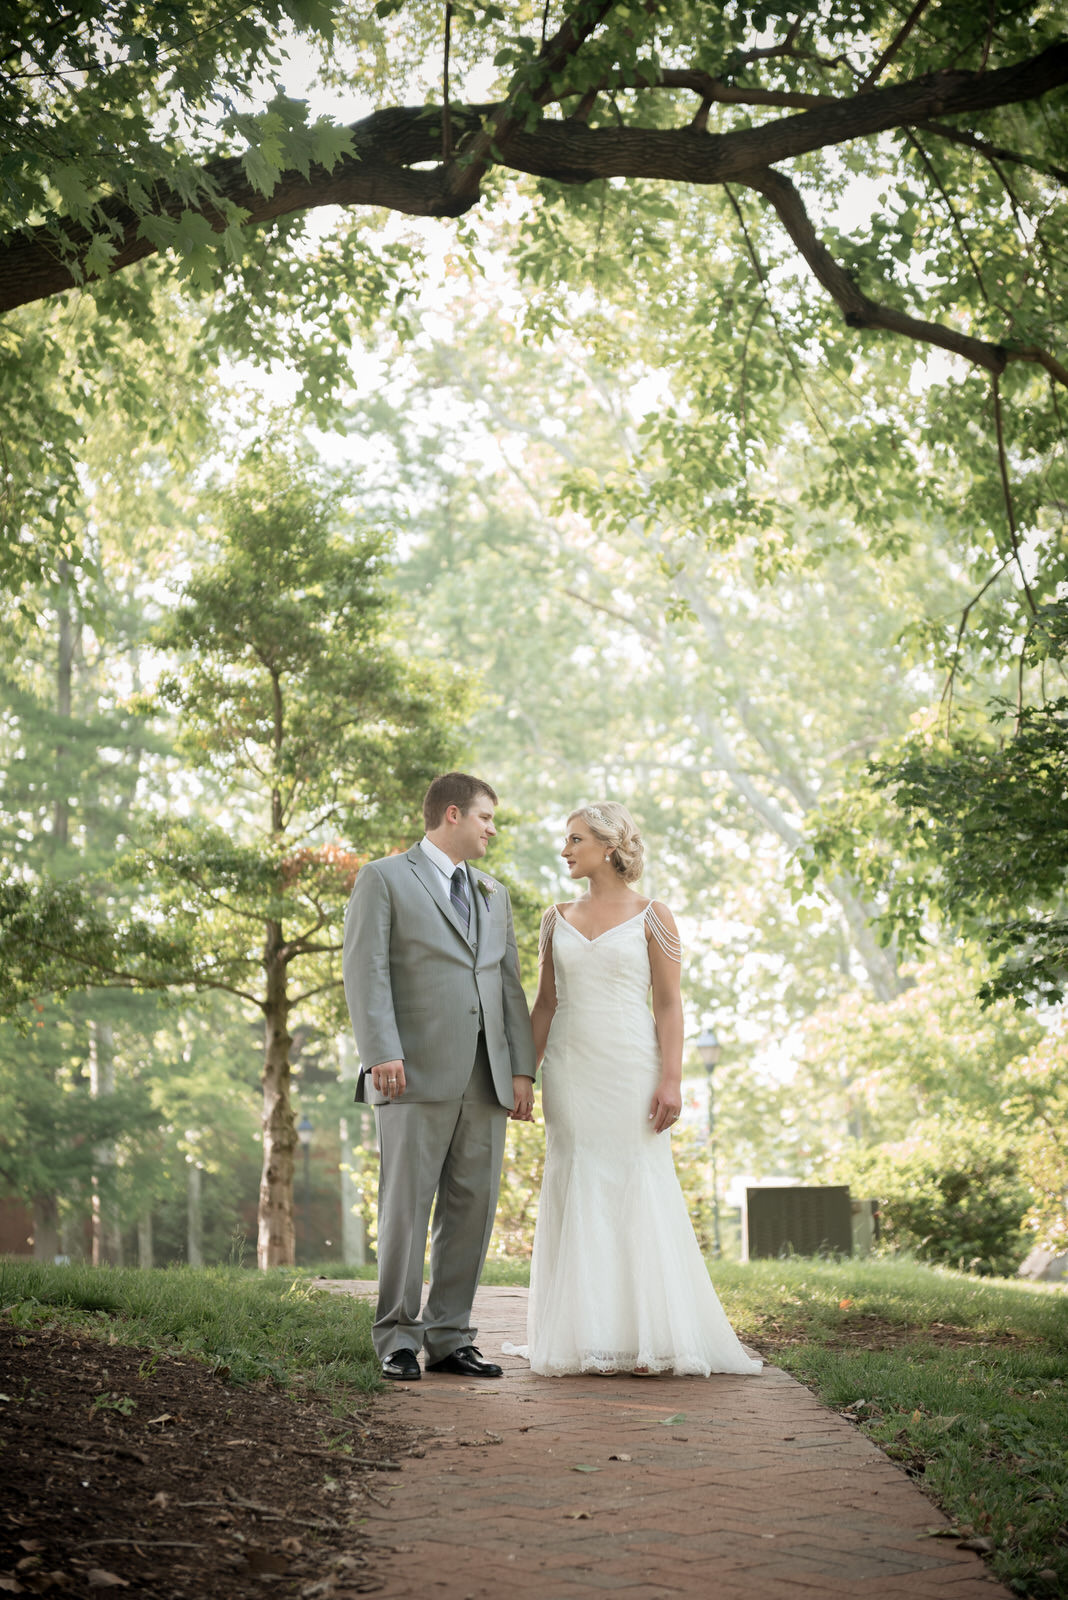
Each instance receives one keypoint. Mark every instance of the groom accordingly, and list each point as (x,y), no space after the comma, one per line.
(442,1029)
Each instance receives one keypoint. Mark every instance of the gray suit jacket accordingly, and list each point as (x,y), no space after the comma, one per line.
(419,988)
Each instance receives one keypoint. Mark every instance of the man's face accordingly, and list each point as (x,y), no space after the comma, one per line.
(474,830)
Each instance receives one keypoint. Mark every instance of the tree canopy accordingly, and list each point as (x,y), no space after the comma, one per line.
(152,127)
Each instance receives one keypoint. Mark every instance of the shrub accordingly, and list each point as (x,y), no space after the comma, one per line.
(948,1195)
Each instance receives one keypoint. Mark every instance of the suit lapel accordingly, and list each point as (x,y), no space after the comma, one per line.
(437,889)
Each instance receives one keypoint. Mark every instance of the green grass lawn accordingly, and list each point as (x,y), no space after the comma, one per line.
(245,1325)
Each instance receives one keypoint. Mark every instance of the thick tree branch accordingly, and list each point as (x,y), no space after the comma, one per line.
(533,86)
(995,152)
(862,312)
(388,147)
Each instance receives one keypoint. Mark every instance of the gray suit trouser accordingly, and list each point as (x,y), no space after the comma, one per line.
(446,1154)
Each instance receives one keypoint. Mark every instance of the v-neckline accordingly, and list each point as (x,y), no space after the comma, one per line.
(605,931)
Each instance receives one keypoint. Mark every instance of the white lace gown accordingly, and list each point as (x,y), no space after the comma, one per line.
(617,1278)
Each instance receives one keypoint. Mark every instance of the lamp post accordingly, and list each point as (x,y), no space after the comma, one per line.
(304,1135)
(709,1049)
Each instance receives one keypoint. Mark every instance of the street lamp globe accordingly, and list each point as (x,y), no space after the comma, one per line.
(708,1048)
(304,1131)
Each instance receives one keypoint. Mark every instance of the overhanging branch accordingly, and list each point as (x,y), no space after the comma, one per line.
(860,311)
(395,164)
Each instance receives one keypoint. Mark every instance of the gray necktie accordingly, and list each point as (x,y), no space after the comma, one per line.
(458,896)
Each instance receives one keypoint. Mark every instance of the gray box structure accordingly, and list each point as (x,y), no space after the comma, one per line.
(798,1220)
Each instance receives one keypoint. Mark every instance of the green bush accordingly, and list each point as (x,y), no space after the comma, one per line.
(947,1195)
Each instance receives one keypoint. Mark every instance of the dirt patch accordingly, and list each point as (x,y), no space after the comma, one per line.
(871,1332)
(147,1475)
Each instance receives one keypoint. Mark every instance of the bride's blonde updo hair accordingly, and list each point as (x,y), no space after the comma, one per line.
(617,830)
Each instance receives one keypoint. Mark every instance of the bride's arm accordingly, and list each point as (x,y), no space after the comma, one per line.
(665,968)
(544,1007)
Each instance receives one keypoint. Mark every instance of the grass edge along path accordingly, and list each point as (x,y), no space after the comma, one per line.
(247,1327)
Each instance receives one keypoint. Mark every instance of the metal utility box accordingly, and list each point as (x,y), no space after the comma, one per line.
(798,1221)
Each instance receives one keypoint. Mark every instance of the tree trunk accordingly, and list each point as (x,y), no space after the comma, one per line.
(276,1242)
(64,701)
(353,1233)
(194,1239)
(353,1230)
(45,1227)
(107,1233)
(145,1245)
(72,1237)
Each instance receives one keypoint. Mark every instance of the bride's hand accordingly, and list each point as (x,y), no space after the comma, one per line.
(666,1107)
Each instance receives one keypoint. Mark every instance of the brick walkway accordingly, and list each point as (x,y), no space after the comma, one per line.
(725,1487)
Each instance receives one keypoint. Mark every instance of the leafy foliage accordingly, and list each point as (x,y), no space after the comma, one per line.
(973,828)
(950,1196)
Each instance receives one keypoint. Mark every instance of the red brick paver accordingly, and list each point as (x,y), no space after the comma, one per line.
(573,1488)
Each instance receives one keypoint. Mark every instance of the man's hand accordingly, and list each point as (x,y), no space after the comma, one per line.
(388,1078)
(523,1092)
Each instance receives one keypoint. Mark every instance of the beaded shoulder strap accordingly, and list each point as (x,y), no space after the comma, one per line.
(669,942)
(545,936)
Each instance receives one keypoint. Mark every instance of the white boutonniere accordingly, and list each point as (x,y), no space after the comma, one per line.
(487,889)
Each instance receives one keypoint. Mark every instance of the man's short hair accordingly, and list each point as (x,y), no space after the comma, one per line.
(453,789)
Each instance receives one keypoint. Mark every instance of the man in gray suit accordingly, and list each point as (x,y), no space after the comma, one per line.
(442,1029)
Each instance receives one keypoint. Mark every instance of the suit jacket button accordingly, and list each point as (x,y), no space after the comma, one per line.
(474,1011)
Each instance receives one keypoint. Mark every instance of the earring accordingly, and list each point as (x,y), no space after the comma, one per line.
(608,858)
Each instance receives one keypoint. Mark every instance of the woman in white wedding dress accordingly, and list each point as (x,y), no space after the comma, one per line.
(617,1281)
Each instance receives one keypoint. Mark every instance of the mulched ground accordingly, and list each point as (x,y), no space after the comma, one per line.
(127,1470)
(867,1331)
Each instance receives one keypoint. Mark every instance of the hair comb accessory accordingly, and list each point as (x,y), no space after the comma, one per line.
(597,815)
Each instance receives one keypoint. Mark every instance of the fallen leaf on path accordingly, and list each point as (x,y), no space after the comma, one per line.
(675,1418)
(983,1545)
(582,1468)
(11,1586)
(98,1578)
(578,1516)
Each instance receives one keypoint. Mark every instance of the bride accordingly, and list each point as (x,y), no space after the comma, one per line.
(617,1281)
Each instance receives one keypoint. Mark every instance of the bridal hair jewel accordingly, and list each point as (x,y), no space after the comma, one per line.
(597,815)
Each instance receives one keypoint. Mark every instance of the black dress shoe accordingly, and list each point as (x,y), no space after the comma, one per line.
(467,1362)
(401,1364)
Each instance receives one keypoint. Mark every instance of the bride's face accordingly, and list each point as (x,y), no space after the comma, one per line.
(582,851)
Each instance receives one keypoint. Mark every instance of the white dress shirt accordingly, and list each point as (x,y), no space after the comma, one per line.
(446,867)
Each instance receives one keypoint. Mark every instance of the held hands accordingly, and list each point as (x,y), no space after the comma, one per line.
(666,1107)
(388,1078)
(523,1109)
